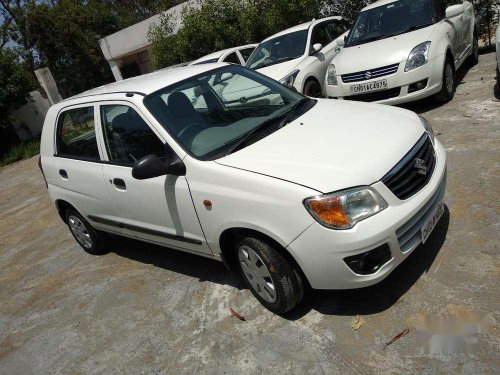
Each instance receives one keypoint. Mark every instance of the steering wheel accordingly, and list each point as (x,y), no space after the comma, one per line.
(190,127)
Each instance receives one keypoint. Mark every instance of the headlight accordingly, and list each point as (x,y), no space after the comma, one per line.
(344,209)
(419,56)
(428,128)
(331,76)
(289,80)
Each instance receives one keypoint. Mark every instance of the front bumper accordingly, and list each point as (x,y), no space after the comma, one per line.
(320,251)
(432,71)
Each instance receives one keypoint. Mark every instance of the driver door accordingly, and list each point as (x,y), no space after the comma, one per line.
(158,210)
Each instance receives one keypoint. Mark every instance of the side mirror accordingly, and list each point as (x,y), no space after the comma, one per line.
(316,48)
(152,166)
(455,10)
(340,42)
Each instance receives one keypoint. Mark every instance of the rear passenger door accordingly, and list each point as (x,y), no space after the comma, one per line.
(78,161)
(158,210)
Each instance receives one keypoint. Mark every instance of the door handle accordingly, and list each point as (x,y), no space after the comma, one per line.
(63,173)
(119,184)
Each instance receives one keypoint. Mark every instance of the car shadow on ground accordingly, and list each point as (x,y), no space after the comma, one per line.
(430,103)
(382,296)
(191,265)
(364,301)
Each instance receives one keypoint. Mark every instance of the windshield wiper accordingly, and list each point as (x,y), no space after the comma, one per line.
(412,28)
(283,119)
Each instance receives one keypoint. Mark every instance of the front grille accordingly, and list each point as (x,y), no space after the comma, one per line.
(370,74)
(376,96)
(414,171)
(409,235)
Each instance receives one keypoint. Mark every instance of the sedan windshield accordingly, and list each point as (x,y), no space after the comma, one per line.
(223,110)
(280,49)
(389,20)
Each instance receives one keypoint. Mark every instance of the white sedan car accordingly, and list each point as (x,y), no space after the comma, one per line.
(298,57)
(404,50)
(261,185)
(236,55)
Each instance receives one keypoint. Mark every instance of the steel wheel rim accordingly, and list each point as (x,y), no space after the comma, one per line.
(80,232)
(257,274)
(449,78)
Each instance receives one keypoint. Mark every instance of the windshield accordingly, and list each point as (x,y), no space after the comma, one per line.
(392,19)
(209,113)
(280,49)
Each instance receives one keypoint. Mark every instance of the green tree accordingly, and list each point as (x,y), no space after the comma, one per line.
(15,85)
(220,24)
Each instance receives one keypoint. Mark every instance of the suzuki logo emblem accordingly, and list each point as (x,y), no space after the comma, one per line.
(420,166)
(368,75)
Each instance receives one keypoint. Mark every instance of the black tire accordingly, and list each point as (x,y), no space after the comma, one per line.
(96,240)
(474,58)
(447,91)
(286,279)
(313,89)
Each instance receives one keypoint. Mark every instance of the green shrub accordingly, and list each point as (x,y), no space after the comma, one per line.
(22,151)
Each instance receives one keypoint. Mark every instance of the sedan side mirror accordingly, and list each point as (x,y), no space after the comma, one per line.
(455,10)
(316,48)
(340,42)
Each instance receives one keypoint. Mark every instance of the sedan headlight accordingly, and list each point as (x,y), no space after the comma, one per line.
(289,80)
(344,209)
(419,56)
(331,76)
(428,128)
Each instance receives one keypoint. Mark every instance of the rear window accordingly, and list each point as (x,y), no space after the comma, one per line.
(76,134)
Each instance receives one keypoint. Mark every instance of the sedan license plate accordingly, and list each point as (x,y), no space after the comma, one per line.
(431,223)
(368,87)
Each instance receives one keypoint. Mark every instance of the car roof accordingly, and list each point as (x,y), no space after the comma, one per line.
(149,83)
(218,54)
(303,26)
(378,4)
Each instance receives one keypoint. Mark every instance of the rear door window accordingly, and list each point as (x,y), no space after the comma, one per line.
(76,135)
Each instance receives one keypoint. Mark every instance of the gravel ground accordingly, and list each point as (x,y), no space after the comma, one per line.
(146,309)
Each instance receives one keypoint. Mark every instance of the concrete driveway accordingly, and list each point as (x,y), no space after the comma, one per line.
(146,309)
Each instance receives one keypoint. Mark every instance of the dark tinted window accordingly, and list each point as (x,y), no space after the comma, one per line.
(320,35)
(127,136)
(336,28)
(76,134)
(246,52)
(232,58)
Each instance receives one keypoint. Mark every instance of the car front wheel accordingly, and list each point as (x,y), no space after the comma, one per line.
(312,89)
(448,90)
(272,279)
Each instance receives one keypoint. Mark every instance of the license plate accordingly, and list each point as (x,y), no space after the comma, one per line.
(369,87)
(431,223)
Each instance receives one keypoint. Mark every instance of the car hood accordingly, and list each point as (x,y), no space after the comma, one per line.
(381,52)
(335,145)
(279,71)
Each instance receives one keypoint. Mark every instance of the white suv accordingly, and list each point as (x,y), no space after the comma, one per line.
(298,57)
(290,191)
(400,51)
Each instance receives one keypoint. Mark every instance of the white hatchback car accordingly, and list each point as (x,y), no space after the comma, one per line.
(298,57)
(399,51)
(296,191)
(236,55)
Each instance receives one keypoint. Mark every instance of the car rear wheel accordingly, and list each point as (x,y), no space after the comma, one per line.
(448,90)
(272,279)
(87,237)
(313,89)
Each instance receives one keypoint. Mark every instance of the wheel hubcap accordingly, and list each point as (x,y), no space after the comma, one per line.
(257,274)
(80,231)
(449,78)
